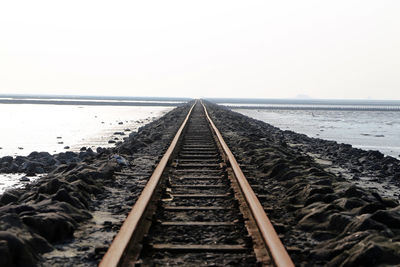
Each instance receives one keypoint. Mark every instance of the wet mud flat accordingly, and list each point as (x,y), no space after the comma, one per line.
(318,194)
(70,215)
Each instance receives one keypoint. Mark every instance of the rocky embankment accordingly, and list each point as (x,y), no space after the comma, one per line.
(43,162)
(368,168)
(323,218)
(69,216)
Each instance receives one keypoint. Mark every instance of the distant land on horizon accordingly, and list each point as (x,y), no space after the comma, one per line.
(306,101)
(130,100)
(93,97)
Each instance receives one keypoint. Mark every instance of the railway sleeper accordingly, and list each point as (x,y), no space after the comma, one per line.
(198,216)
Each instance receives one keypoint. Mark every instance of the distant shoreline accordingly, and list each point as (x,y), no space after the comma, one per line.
(92,97)
(266,104)
(88,103)
(338,108)
(344,102)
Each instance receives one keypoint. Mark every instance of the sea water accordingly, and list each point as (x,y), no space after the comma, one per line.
(25,128)
(368,130)
(33,127)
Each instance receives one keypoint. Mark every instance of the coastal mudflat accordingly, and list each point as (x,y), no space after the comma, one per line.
(368,130)
(58,128)
(322,197)
(332,205)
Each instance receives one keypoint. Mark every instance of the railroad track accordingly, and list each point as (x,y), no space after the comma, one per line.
(197,209)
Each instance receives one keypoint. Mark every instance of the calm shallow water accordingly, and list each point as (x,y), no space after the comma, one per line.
(27,128)
(369,130)
(12,180)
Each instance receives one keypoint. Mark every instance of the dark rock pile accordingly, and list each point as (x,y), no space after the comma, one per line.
(322,219)
(50,210)
(47,213)
(42,162)
(359,162)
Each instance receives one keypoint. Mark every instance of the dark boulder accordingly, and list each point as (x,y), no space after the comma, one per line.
(33,154)
(51,187)
(371,208)
(100,150)
(8,197)
(354,191)
(78,215)
(52,226)
(70,155)
(339,246)
(64,196)
(390,218)
(365,222)
(7,159)
(372,251)
(14,252)
(375,154)
(17,209)
(5,165)
(339,221)
(19,160)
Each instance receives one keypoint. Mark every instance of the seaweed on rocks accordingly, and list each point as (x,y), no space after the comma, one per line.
(323,218)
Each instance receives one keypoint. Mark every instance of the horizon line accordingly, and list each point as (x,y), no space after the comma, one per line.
(3,95)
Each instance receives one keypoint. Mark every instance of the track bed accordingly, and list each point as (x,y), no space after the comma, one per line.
(198,220)
(194,210)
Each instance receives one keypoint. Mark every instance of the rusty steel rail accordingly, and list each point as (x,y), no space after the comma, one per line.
(274,245)
(121,241)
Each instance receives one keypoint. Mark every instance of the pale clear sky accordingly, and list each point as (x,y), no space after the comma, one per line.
(268,49)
